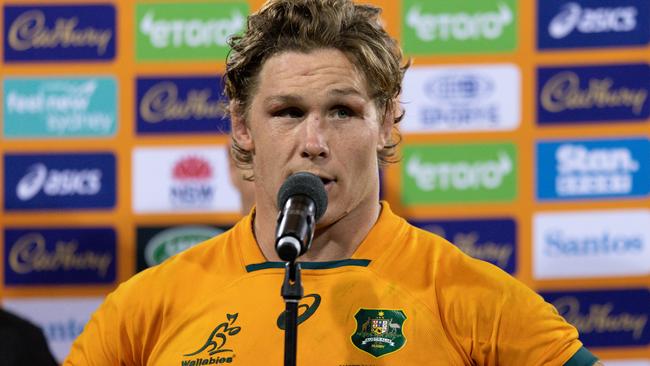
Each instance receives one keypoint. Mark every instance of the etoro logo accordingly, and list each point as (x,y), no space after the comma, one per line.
(187,31)
(463,173)
(459,26)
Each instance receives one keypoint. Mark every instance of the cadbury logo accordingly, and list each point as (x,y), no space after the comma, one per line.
(29,31)
(563,92)
(599,318)
(29,254)
(162,103)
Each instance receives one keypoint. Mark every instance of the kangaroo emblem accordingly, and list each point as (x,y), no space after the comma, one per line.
(217,339)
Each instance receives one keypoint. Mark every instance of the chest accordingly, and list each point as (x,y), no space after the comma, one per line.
(352,319)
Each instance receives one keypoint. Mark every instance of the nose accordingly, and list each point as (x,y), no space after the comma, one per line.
(315,140)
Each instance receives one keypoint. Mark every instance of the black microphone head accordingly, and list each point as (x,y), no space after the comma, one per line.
(307,184)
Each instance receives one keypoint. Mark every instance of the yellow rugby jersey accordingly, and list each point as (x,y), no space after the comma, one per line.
(406,297)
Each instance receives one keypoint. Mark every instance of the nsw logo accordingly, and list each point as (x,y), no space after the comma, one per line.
(592,23)
(593,169)
(59,32)
(485,98)
(591,244)
(606,318)
(59,256)
(79,107)
(186,178)
(59,181)
(180,105)
(454,27)
(612,93)
(491,240)
(434,174)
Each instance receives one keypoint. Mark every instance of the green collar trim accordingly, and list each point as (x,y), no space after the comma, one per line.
(311,265)
(582,358)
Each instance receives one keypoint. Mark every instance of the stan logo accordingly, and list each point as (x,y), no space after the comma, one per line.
(192,187)
(215,345)
(379,331)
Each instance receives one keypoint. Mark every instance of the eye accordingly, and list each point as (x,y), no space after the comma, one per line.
(342,112)
(290,112)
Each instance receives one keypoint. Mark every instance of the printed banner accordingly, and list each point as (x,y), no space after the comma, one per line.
(38,256)
(59,33)
(57,107)
(59,181)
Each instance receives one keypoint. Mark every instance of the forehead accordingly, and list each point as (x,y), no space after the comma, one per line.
(313,72)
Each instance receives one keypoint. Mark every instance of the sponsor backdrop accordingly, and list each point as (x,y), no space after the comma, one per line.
(526,142)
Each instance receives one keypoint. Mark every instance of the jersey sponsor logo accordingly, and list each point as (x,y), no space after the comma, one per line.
(379,331)
(156,244)
(59,256)
(59,181)
(462,98)
(62,318)
(592,23)
(591,244)
(189,179)
(213,351)
(593,169)
(491,240)
(187,31)
(309,310)
(459,26)
(181,105)
(59,32)
(573,94)
(433,174)
(57,107)
(606,318)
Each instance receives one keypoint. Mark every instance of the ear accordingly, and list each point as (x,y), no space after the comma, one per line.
(240,131)
(387,123)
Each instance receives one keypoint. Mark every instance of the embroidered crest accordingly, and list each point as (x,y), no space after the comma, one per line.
(379,331)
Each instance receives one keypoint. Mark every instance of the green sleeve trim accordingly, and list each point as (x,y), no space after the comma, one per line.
(582,358)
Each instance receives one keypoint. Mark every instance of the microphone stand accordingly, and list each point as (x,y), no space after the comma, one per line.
(292,292)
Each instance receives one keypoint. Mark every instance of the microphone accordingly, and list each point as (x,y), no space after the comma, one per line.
(302,201)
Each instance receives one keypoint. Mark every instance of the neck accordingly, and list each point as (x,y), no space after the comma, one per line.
(336,241)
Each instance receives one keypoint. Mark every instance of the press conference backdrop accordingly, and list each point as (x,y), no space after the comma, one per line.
(526,142)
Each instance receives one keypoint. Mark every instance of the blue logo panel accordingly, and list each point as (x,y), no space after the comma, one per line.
(59,181)
(492,240)
(577,169)
(59,256)
(606,318)
(592,23)
(180,105)
(612,93)
(59,33)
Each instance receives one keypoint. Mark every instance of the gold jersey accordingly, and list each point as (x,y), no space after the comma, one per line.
(406,297)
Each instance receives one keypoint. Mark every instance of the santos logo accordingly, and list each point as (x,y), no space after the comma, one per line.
(591,244)
(462,98)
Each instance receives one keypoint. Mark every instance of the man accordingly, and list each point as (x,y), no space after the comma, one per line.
(313,87)
(22,343)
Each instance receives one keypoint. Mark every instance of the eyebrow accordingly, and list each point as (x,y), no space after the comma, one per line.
(295,98)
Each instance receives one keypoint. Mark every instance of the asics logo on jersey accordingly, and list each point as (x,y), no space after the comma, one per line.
(215,344)
(309,310)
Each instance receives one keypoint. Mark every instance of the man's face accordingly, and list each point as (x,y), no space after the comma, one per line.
(312,112)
